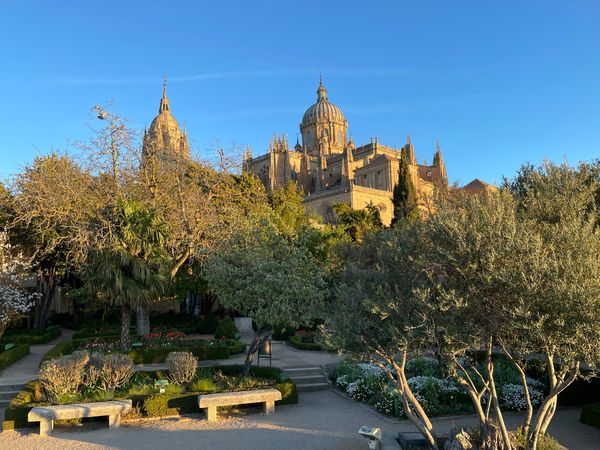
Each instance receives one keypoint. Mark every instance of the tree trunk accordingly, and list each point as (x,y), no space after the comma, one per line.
(125,324)
(259,338)
(494,397)
(143,320)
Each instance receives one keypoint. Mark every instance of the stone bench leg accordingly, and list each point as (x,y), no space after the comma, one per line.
(269,407)
(211,413)
(46,427)
(114,421)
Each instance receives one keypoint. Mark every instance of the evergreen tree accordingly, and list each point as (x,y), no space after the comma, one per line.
(405,196)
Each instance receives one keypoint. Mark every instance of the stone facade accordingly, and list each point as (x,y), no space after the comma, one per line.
(331,169)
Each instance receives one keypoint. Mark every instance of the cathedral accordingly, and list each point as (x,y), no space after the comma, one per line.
(331,169)
(327,165)
(164,140)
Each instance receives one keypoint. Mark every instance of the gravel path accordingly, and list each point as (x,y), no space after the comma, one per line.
(323,420)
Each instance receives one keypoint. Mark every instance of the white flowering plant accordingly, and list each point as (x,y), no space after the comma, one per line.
(15,270)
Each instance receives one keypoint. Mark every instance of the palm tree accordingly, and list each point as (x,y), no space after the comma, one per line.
(129,273)
(122,280)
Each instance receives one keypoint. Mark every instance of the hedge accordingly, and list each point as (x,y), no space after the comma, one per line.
(15,415)
(296,342)
(209,324)
(13,354)
(156,355)
(226,329)
(31,336)
(590,415)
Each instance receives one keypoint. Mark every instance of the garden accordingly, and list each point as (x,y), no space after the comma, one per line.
(85,376)
(440,395)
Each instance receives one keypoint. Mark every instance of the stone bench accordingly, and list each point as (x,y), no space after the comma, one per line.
(210,402)
(46,415)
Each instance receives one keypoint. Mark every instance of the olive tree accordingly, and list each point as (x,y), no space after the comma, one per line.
(268,277)
(558,307)
(377,313)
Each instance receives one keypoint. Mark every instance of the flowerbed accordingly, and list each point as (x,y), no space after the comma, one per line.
(177,398)
(367,383)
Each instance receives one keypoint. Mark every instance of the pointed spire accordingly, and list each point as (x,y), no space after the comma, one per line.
(321,92)
(408,139)
(164,101)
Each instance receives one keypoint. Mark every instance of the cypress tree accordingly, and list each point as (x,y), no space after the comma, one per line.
(405,196)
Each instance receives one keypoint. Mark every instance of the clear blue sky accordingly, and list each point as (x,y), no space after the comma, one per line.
(497,83)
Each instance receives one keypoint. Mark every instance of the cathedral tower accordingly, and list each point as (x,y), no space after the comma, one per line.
(323,126)
(164,139)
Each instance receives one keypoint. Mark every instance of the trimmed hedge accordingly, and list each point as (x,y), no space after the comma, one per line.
(156,355)
(31,337)
(15,415)
(209,324)
(296,342)
(87,333)
(13,354)
(226,329)
(590,415)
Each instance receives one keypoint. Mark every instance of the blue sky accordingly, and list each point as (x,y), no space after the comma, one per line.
(496,83)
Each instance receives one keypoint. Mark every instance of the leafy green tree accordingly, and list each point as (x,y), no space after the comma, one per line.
(358,222)
(268,277)
(289,214)
(404,197)
(376,315)
(472,255)
(128,273)
(558,309)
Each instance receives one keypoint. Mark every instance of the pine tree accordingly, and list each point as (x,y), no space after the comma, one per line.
(405,196)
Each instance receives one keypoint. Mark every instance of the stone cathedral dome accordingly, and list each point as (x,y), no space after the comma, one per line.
(164,137)
(323,109)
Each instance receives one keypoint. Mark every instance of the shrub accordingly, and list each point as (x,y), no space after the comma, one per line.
(209,324)
(115,370)
(545,442)
(188,323)
(226,329)
(31,337)
(170,404)
(86,333)
(13,354)
(423,366)
(512,396)
(590,415)
(159,355)
(182,367)
(15,415)
(283,333)
(206,385)
(298,343)
(61,377)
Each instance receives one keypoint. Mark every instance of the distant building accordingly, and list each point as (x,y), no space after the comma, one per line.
(331,169)
(164,139)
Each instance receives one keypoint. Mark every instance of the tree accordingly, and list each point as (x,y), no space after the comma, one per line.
(127,274)
(404,197)
(560,286)
(358,222)
(268,277)
(15,273)
(472,257)
(52,216)
(376,313)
